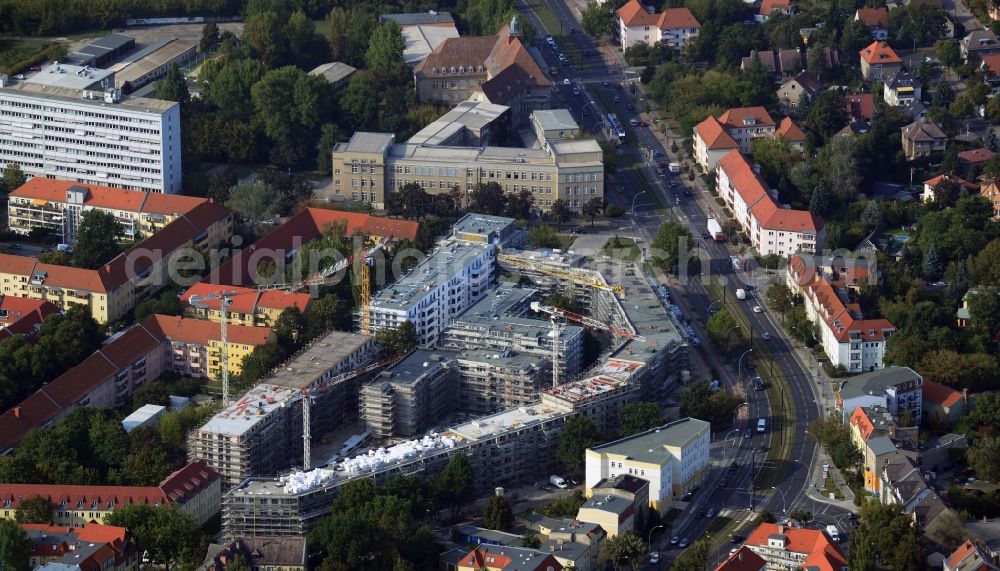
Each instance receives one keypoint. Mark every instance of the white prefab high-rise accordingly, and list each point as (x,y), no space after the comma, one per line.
(59,124)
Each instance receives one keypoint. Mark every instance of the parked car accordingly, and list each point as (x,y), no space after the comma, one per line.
(710,513)
(566,81)
(683,543)
(757,309)
(765,336)
(674,540)
(654,557)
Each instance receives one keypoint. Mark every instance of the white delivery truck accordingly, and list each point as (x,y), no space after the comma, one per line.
(833,532)
(741,294)
(558,482)
(715,230)
(675,168)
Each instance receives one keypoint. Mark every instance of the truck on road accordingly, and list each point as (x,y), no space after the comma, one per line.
(741,294)
(715,230)
(675,168)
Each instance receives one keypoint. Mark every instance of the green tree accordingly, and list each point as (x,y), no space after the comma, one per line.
(385,49)
(15,547)
(13,178)
(984,309)
(798,325)
(329,312)
(543,236)
(398,340)
(948,52)
(919,24)
(854,37)
(593,208)
(455,485)
(209,36)
(577,436)
(172,538)
(860,553)
(827,114)
(694,558)
(264,36)
(96,239)
(299,32)
(638,417)
(560,211)
(672,242)
(566,506)
(933,265)
(56,258)
(497,514)
(625,546)
(596,21)
(34,510)
(229,91)
(943,94)
(173,86)
(239,563)
(291,105)
(984,458)
(488,198)
(257,203)
(723,330)
(780,298)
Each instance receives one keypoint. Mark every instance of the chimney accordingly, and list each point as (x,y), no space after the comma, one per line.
(781,529)
(17,412)
(965,398)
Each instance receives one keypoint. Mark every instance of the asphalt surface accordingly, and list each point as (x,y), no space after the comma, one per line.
(596,89)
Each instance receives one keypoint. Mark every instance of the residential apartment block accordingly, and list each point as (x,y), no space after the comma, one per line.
(770,228)
(880,439)
(192,490)
(876,20)
(923,139)
(895,389)
(58,205)
(598,396)
(672,458)
(250,307)
(108,377)
(489,69)
(674,26)
(19,316)
(54,126)
(372,165)
(879,61)
(411,396)
(261,433)
(788,548)
(711,142)
(491,381)
(901,89)
(110,291)
(93,546)
(735,129)
(849,340)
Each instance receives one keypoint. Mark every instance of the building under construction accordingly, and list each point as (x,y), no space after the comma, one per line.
(262,433)
(490,381)
(500,322)
(411,396)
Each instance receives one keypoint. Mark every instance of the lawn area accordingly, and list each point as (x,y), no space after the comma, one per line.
(553,27)
(621,248)
(829,487)
(15,53)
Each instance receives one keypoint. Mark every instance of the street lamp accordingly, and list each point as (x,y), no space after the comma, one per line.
(739,368)
(783,506)
(633,200)
(711,305)
(649,540)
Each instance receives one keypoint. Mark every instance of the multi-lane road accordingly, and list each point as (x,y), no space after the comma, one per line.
(595,88)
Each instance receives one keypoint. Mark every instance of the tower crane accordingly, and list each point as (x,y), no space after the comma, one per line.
(557,313)
(226,299)
(310,393)
(566,275)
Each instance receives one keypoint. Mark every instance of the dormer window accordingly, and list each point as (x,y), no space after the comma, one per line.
(453,69)
(434,70)
(749,121)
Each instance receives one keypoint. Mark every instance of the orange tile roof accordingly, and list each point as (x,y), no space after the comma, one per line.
(991,62)
(248,300)
(975,155)
(734,118)
(941,395)
(768,6)
(633,14)
(17,265)
(948,177)
(201,332)
(859,105)
(714,135)
(791,131)
(39,188)
(19,315)
(820,552)
(305,226)
(677,19)
(864,424)
(743,560)
(872,17)
(753,191)
(963,551)
(183,484)
(879,52)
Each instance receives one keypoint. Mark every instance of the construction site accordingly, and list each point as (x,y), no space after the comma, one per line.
(487,349)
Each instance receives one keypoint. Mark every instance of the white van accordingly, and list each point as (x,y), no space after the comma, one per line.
(762,425)
(834,534)
(558,482)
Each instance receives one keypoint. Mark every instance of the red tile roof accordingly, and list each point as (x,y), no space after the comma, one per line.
(975,156)
(753,191)
(879,52)
(991,62)
(768,6)
(736,117)
(304,227)
(51,190)
(201,332)
(820,552)
(864,424)
(677,19)
(953,179)
(859,105)
(790,131)
(743,560)
(247,300)
(633,14)
(20,316)
(872,17)
(714,135)
(177,488)
(941,395)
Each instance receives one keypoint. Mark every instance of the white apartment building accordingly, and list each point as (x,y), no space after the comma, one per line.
(672,458)
(770,228)
(674,26)
(849,340)
(55,127)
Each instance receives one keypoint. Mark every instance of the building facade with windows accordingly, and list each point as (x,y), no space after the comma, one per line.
(372,165)
(674,26)
(55,129)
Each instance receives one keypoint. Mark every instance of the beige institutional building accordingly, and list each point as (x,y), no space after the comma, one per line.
(373,164)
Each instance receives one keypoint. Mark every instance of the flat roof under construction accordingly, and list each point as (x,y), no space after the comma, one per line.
(448,258)
(253,408)
(317,358)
